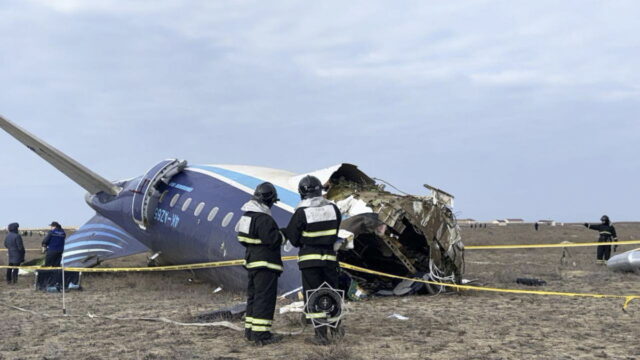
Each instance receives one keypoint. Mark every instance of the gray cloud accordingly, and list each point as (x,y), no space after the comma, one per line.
(521,109)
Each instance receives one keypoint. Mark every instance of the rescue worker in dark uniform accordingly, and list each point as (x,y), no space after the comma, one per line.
(53,245)
(260,235)
(314,229)
(15,248)
(607,234)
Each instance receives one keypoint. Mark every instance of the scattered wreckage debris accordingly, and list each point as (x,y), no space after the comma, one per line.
(566,255)
(628,261)
(405,235)
(230,313)
(397,316)
(530,282)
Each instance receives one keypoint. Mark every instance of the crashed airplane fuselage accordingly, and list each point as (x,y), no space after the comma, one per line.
(187,214)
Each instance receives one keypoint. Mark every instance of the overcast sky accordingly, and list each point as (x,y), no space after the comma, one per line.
(525,109)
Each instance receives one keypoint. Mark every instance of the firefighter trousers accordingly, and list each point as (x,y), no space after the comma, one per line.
(604,251)
(313,277)
(262,290)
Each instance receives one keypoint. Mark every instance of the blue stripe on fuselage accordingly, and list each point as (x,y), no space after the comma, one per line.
(286,196)
(90,242)
(81,235)
(87,227)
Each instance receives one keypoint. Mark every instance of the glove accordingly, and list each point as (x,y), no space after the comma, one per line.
(44,249)
(338,244)
(586,225)
(615,248)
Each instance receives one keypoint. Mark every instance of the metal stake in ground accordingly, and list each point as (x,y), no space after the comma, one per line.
(64,309)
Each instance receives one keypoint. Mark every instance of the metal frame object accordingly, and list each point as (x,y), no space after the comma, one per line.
(328,300)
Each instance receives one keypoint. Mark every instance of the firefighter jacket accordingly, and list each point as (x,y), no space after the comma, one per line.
(259,234)
(314,229)
(607,232)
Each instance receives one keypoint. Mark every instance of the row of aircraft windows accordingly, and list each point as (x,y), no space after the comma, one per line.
(212,214)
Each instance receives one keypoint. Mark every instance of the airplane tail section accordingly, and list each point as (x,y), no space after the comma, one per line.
(84,177)
(97,240)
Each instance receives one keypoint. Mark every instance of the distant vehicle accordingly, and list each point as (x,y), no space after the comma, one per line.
(186,214)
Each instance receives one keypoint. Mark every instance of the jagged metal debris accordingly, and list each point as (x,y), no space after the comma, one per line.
(401,234)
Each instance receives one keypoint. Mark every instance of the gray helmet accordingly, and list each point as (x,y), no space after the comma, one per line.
(309,187)
(266,193)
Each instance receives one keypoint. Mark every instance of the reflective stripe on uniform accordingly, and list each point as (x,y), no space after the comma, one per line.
(248,322)
(249,240)
(605,233)
(320,233)
(260,328)
(315,315)
(266,264)
(317,257)
(262,321)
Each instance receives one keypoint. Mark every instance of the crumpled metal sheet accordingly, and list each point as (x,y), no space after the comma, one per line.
(421,228)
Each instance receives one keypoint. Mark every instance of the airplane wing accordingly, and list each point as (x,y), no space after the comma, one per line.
(97,240)
(84,177)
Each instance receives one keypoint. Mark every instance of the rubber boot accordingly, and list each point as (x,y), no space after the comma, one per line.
(269,339)
(337,332)
(320,337)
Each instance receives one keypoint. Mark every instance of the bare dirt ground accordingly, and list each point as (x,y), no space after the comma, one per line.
(468,325)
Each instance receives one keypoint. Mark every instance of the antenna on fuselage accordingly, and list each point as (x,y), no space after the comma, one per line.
(82,176)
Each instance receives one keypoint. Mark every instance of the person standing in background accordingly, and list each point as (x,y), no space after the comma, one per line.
(15,248)
(607,235)
(53,245)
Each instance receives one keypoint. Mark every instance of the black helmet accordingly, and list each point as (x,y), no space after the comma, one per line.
(605,219)
(309,186)
(266,194)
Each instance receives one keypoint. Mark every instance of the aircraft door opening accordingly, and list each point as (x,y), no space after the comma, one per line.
(150,188)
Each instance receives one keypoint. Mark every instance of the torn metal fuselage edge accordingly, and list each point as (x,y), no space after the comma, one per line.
(405,235)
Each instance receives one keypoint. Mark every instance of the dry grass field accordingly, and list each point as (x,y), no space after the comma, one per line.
(467,325)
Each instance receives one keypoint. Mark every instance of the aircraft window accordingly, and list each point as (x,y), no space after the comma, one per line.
(212,214)
(174,200)
(198,209)
(227,219)
(164,194)
(186,204)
